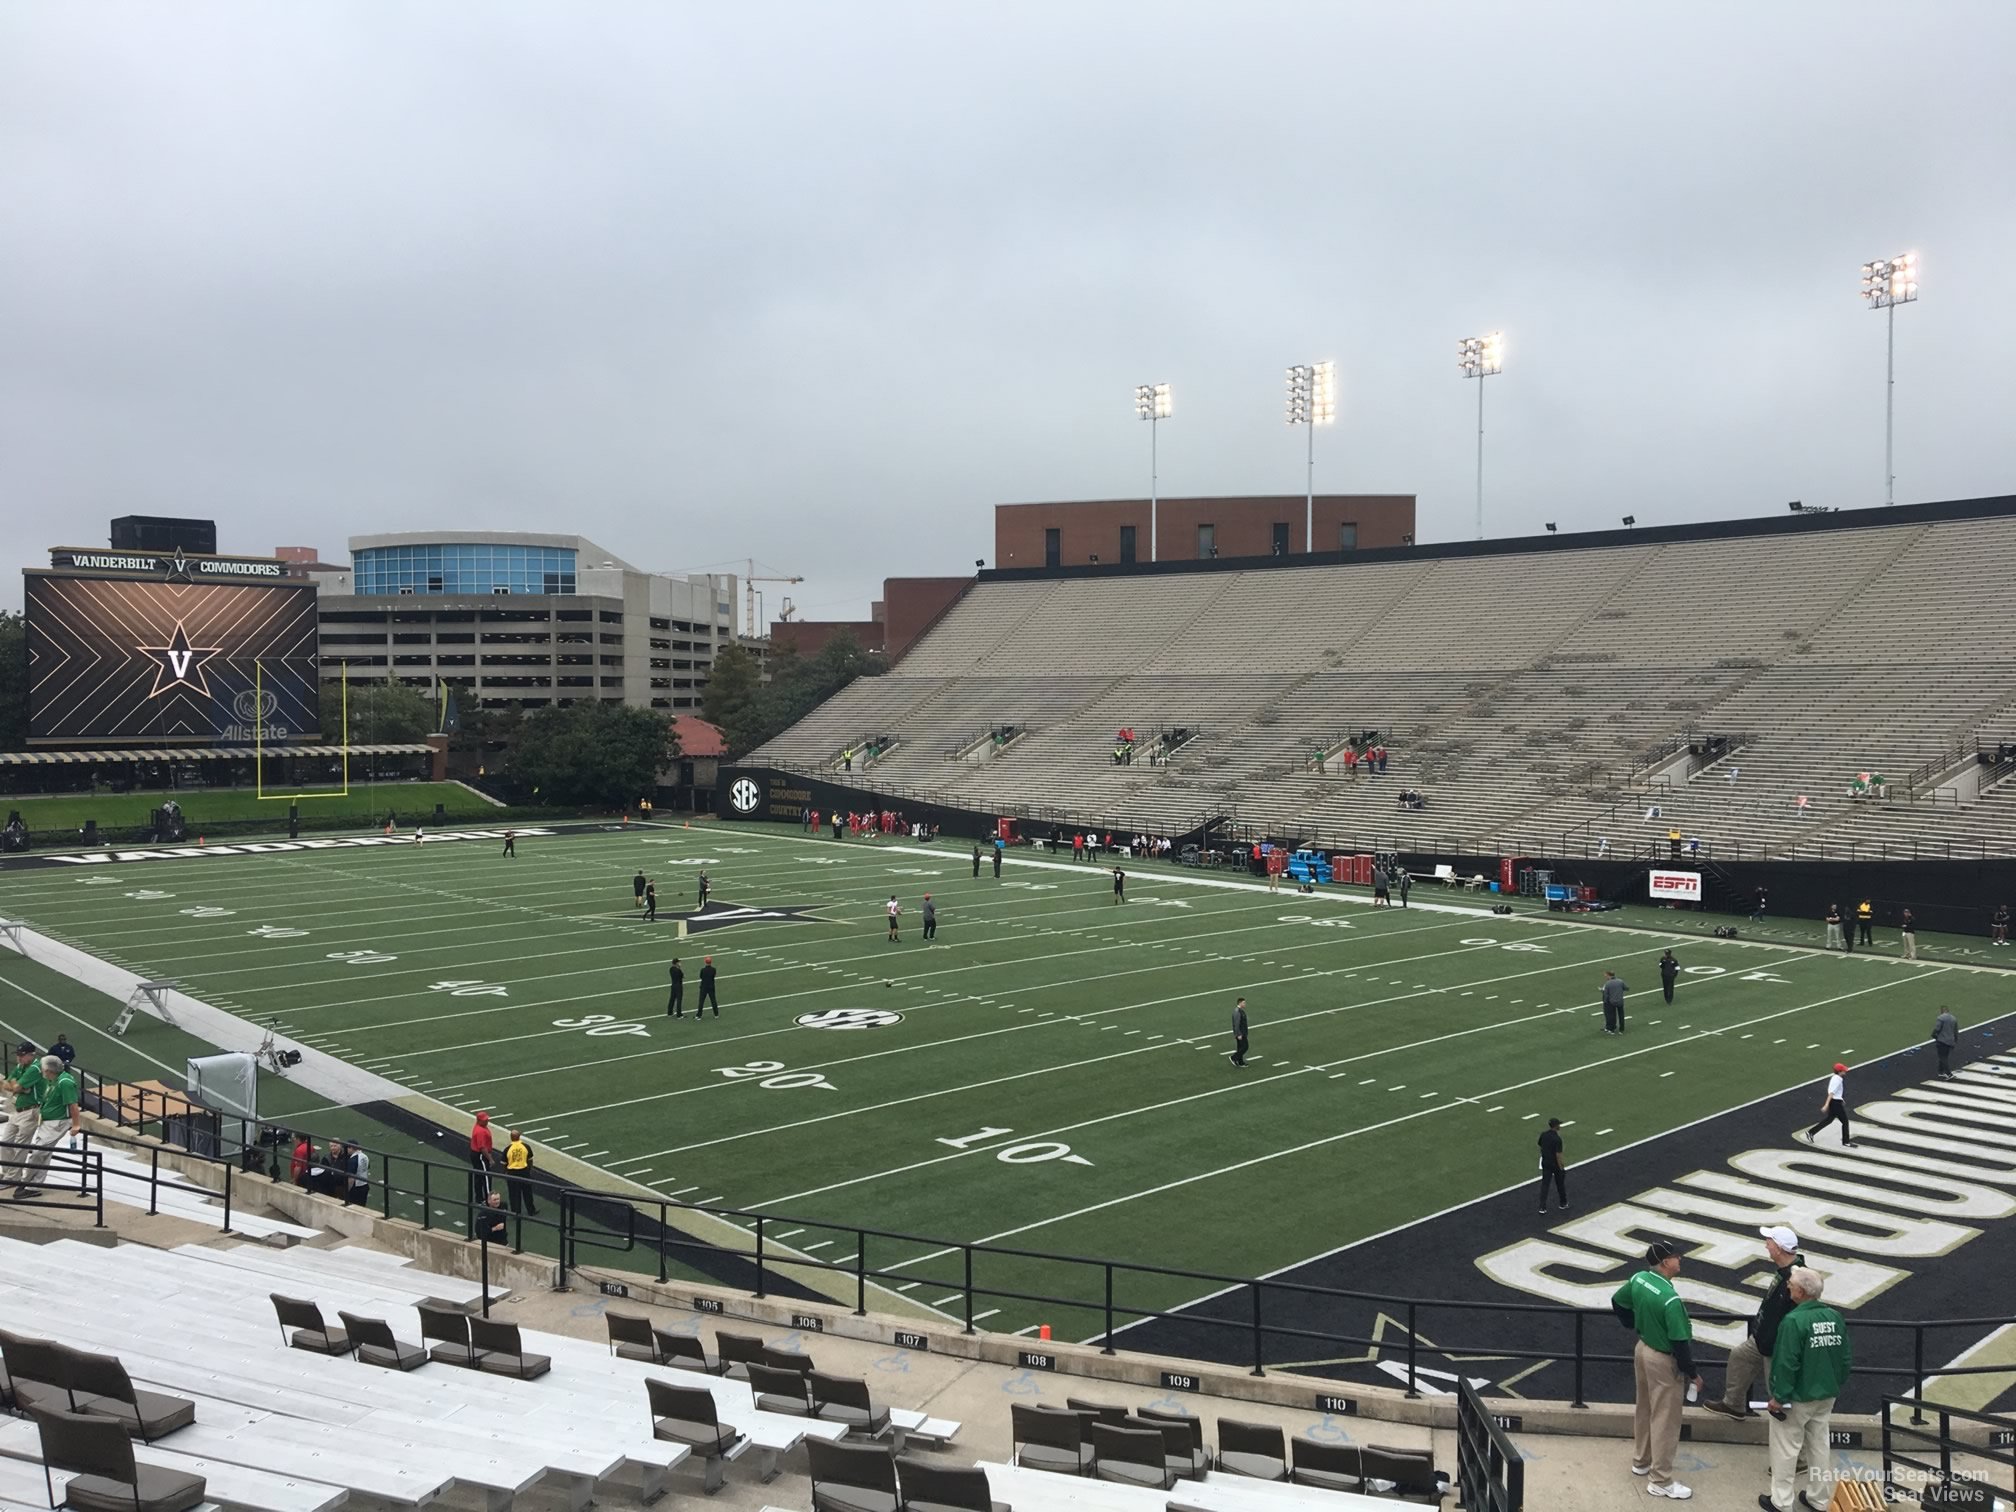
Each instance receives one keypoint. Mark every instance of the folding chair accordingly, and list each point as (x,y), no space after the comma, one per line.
(309,1331)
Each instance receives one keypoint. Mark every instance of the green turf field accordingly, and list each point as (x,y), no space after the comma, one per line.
(1053,1073)
(365,804)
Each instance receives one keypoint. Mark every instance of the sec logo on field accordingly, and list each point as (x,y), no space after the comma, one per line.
(745,795)
(850,1018)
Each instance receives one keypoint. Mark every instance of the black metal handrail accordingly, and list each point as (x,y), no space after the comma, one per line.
(1490,1471)
(642,1235)
(1903,1443)
(54,1164)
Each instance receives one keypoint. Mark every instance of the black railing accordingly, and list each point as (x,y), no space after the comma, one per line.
(52,1176)
(1490,1472)
(1095,1299)
(1941,1467)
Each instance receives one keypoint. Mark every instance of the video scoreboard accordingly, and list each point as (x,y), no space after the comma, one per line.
(169,648)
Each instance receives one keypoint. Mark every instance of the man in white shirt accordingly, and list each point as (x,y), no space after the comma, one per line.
(895,912)
(1833,1108)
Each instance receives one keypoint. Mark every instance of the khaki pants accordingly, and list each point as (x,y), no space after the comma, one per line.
(1910,944)
(18,1130)
(47,1136)
(1655,1423)
(1746,1365)
(1801,1439)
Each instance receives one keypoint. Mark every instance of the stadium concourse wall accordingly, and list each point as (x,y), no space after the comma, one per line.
(1953,897)
(781,796)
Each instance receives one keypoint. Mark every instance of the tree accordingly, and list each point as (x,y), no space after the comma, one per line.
(797,686)
(734,688)
(13,682)
(591,754)
(381,713)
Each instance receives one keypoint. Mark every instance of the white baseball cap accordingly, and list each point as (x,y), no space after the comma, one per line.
(1783,1237)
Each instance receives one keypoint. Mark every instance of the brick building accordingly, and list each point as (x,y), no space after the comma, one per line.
(1187,530)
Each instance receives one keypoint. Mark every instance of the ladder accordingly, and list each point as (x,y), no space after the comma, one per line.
(154,994)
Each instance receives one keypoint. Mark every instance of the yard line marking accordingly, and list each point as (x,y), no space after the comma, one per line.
(1529,1116)
(913,1285)
(1521,1184)
(1601,1132)
(816,1244)
(1664,1074)
(983,1316)
(592,1154)
(788,1233)
(954,1297)
(1499,1109)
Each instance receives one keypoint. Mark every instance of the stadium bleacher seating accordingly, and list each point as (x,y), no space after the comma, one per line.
(1537,699)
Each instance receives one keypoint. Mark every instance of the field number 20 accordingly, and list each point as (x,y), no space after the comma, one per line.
(775,1076)
(600,1023)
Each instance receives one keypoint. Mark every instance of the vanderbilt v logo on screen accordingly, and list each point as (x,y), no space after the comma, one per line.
(179,664)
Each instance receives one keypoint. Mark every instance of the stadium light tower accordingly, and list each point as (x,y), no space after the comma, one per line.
(1479,357)
(1151,403)
(1886,284)
(1312,401)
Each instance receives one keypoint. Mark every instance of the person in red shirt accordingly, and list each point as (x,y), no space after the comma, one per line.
(1077,847)
(304,1157)
(482,1156)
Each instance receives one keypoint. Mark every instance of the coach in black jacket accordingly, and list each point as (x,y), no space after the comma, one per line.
(1751,1358)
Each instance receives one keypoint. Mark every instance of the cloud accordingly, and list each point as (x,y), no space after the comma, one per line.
(820,284)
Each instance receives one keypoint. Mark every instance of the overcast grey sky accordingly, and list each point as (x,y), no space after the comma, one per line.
(820,283)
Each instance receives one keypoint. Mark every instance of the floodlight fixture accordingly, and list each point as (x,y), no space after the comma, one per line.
(1151,403)
(1888,282)
(1312,401)
(1481,357)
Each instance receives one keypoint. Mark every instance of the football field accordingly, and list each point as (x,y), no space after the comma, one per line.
(1050,1074)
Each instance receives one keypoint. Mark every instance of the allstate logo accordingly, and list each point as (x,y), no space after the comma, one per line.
(255,708)
(850,1018)
(745,794)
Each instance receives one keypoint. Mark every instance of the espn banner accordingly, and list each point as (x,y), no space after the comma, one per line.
(1676,886)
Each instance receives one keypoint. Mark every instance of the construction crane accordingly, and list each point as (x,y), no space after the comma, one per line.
(749,582)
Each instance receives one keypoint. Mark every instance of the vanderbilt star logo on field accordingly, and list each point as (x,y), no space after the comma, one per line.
(719,915)
(178,663)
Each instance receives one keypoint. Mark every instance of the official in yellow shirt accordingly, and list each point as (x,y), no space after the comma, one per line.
(518,1175)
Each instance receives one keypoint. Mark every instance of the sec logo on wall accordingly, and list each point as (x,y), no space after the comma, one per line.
(745,794)
(850,1018)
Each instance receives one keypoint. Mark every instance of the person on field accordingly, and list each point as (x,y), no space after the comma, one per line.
(1662,1366)
(1865,919)
(930,918)
(1810,1365)
(706,885)
(482,1157)
(1553,1168)
(976,860)
(706,989)
(1907,935)
(1119,885)
(518,1175)
(650,902)
(895,913)
(1614,989)
(637,886)
(1833,1108)
(1945,1037)
(1239,1032)
(1835,939)
(1000,846)
(511,843)
(1750,1360)
(1669,973)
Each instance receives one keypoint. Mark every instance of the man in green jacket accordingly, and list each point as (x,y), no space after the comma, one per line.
(1810,1363)
(1662,1363)
(60,1116)
(25,1112)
